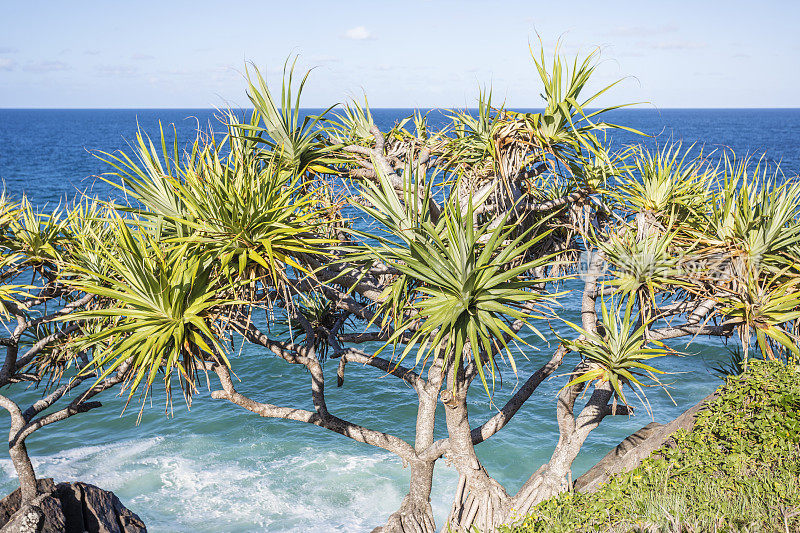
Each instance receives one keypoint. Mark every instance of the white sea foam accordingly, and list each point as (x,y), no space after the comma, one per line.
(194,484)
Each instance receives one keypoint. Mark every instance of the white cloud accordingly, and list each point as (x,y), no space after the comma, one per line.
(326,59)
(6,63)
(641,31)
(46,66)
(181,72)
(359,33)
(141,57)
(674,45)
(116,71)
(8,50)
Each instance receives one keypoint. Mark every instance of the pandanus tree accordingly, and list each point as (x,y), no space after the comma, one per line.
(39,303)
(465,243)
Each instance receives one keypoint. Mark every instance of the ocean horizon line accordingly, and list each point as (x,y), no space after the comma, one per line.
(630,108)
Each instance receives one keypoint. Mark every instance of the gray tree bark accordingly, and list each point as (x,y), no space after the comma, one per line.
(18,452)
(480,501)
(415,514)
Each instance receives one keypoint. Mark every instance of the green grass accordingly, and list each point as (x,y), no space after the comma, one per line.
(737,470)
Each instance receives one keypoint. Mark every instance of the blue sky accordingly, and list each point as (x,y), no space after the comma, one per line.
(411,53)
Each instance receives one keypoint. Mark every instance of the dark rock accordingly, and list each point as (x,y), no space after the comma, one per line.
(10,504)
(42,515)
(26,520)
(46,507)
(71,498)
(54,521)
(102,510)
(68,507)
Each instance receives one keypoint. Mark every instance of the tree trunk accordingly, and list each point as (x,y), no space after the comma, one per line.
(24,468)
(480,501)
(556,476)
(18,452)
(415,514)
(550,480)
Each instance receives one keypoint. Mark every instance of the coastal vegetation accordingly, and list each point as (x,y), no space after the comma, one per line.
(736,470)
(447,254)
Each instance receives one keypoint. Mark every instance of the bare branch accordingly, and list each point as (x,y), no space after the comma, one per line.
(565,407)
(366,336)
(43,403)
(12,350)
(615,410)
(701,311)
(589,301)
(61,414)
(43,343)
(558,202)
(357,356)
(673,332)
(499,420)
(322,419)
(78,405)
(67,309)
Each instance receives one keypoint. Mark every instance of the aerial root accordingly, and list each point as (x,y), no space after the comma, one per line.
(481,509)
(412,517)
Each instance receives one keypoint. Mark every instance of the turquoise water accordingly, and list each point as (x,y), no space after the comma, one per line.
(217,467)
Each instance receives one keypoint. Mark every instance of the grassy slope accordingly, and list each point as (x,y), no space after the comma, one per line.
(737,470)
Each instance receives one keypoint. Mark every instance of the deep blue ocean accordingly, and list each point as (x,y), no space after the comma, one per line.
(220,468)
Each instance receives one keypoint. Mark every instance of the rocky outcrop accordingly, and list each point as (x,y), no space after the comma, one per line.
(633,450)
(68,508)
